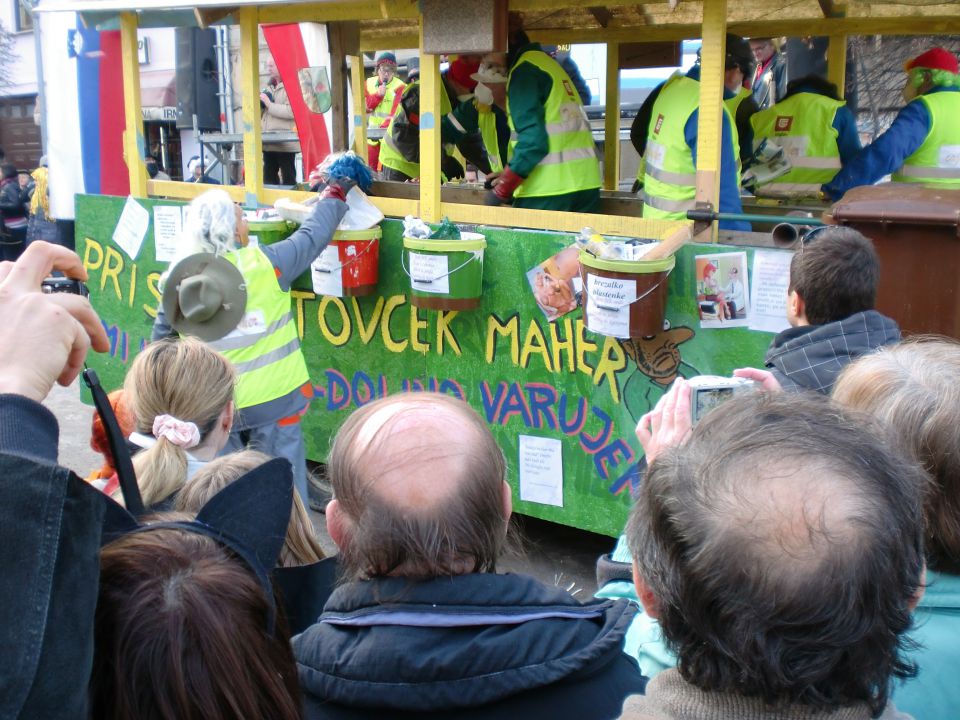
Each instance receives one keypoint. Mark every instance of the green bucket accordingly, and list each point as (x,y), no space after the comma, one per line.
(267,232)
(445,274)
(624,298)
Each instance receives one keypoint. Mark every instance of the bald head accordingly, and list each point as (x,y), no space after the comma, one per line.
(760,541)
(418,481)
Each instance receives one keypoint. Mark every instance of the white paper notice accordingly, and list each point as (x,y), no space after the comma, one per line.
(608,305)
(131,227)
(167,226)
(541,470)
(768,290)
(326,272)
(430,273)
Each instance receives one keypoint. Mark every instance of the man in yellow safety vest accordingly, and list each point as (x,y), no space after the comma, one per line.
(383,92)
(817,132)
(553,161)
(923,143)
(670,162)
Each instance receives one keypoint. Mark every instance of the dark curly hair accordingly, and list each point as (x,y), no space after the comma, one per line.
(784,545)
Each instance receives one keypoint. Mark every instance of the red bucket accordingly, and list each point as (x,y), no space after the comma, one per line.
(350,266)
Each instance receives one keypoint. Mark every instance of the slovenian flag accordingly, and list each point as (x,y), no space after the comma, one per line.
(85,121)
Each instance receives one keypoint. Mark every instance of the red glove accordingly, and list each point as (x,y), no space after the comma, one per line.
(508,182)
(333,190)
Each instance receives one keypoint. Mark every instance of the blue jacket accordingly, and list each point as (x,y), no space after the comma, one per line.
(935,692)
(887,153)
(472,646)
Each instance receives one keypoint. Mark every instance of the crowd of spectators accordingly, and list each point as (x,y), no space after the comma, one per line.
(793,555)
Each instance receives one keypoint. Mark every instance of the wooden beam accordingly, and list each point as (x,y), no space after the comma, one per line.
(337,43)
(357,81)
(334,11)
(826,7)
(837,62)
(133,144)
(208,16)
(620,225)
(601,15)
(710,117)
(938,25)
(250,95)
(398,40)
(430,88)
(611,144)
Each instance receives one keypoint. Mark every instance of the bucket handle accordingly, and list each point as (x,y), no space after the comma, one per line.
(639,297)
(351,261)
(403,264)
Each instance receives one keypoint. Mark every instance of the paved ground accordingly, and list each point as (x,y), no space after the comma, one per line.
(552,553)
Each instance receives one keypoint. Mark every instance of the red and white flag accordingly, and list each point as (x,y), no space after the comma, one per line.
(296,48)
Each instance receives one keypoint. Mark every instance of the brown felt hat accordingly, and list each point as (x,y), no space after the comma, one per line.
(205,295)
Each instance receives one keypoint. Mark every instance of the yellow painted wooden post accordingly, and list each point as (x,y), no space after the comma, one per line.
(611,135)
(250,94)
(709,125)
(133,143)
(359,107)
(430,89)
(837,61)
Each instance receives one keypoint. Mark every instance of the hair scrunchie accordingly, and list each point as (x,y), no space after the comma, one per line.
(183,434)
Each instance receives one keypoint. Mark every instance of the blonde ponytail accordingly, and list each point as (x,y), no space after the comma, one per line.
(190,383)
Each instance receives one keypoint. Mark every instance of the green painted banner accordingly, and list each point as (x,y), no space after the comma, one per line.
(552,392)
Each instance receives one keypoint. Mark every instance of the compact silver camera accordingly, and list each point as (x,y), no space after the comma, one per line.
(708,391)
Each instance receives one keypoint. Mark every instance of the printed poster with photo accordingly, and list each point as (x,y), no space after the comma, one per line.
(556,283)
(723,290)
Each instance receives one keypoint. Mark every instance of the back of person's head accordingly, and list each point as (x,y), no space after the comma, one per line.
(419,489)
(782,546)
(181,381)
(9,170)
(301,546)
(914,387)
(181,634)
(813,83)
(210,223)
(836,274)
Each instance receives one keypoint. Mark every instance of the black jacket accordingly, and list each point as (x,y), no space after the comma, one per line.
(50,533)
(811,357)
(466,647)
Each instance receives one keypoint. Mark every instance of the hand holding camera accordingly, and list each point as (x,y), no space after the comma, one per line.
(45,336)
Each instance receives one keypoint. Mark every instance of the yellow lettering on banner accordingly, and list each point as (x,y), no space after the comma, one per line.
(133,284)
(88,263)
(444,318)
(112,267)
(583,346)
(612,361)
(558,345)
(511,329)
(535,344)
(416,325)
(153,285)
(299,297)
(367,331)
(336,339)
(391,304)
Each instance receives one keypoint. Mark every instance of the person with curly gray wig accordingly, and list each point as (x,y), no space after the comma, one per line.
(273,386)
